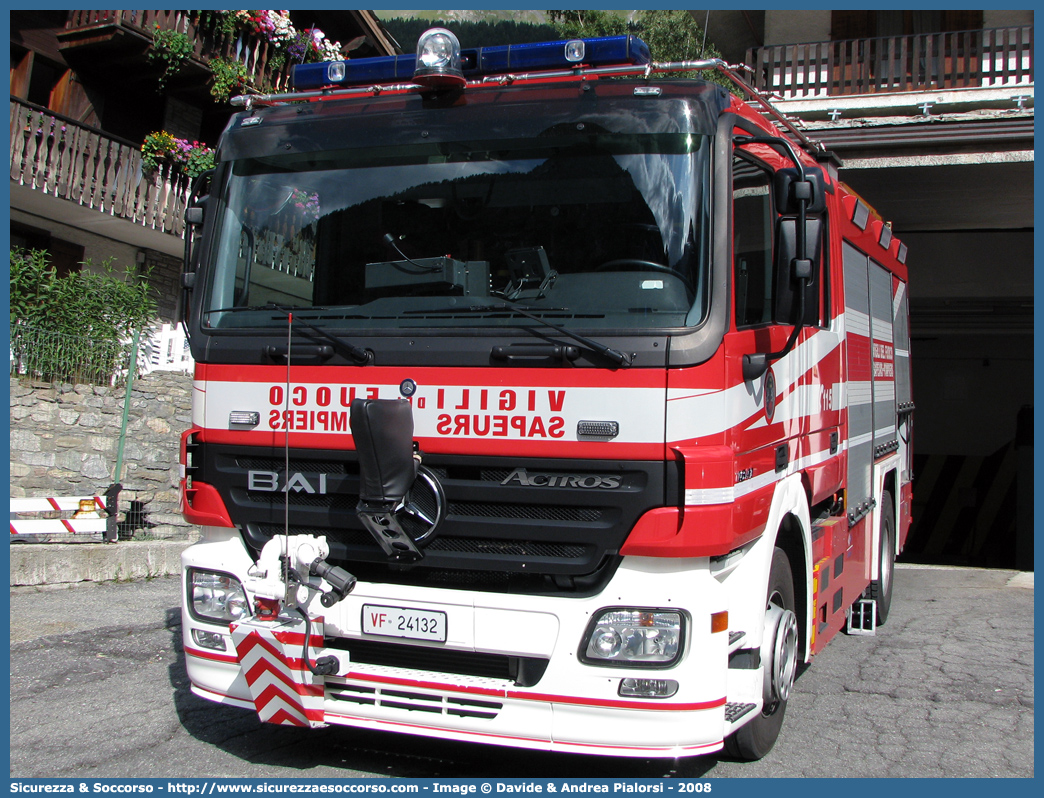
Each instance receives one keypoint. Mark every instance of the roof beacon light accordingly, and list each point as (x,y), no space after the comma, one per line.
(438,60)
(440,63)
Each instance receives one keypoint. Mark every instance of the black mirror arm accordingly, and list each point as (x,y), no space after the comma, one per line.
(779,143)
(757,364)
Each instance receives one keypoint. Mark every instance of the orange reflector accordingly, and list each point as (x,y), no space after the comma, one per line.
(719,622)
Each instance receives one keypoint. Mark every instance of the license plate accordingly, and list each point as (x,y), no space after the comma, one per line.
(404,622)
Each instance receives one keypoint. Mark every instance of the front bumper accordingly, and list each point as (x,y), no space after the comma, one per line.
(573,707)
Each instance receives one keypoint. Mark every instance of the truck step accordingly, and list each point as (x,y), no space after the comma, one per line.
(736,640)
(862,618)
(733,712)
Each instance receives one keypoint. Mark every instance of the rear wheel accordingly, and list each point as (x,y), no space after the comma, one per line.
(779,657)
(881,588)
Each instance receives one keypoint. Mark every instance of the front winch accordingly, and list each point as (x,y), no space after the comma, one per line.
(276,647)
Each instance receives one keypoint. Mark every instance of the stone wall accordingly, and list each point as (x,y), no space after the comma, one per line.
(65,440)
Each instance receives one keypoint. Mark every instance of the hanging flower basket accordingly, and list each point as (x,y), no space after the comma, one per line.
(190,158)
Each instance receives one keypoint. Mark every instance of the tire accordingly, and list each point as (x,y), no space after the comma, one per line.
(881,588)
(780,659)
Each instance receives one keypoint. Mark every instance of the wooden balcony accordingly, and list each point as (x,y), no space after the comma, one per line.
(995,58)
(59,157)
(127,35)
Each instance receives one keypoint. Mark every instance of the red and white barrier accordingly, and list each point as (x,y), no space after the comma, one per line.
(88,524)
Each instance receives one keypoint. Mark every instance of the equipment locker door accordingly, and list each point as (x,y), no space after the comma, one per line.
(859,382)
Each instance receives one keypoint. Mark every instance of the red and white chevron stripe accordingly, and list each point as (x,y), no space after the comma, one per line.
(284,691)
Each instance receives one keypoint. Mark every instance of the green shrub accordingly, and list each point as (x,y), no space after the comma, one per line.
(76,327)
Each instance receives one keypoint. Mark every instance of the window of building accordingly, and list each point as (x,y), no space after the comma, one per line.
(65,256)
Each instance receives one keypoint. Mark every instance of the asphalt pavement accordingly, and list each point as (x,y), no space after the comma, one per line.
(945,689)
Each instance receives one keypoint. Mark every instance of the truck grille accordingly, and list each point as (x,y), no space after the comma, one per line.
(557,530)
(515,548)
(521,671)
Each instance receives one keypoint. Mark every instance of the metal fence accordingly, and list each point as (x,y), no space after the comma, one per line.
(49,356)
(922,62)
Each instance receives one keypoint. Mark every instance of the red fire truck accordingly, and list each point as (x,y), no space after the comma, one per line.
(542,399)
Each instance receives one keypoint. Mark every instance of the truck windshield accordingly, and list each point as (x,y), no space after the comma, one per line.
(589,230)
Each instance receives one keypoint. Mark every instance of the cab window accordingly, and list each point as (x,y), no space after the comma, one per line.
(753,218)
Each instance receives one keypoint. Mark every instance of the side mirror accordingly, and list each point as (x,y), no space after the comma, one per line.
(793,271)
(193,221)
(788,190)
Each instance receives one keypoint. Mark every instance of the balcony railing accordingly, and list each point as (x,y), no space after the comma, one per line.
(1001,57)
(62,158)
(255,52)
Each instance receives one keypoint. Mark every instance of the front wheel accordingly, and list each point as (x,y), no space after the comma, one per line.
(779,658)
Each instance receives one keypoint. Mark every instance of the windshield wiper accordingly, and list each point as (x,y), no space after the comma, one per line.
(615,355)
(269,306)
(361,356)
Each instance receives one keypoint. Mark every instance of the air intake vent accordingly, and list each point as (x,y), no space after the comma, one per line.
(415,701)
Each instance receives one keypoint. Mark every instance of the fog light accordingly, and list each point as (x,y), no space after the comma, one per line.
(216,597)
(205,639)
(633,637)
(648,688)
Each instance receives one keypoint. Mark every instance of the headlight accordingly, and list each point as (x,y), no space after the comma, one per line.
(633,637)
(216,597)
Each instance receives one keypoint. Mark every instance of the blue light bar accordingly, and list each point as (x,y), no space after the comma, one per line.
(601,51)
(479,62)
